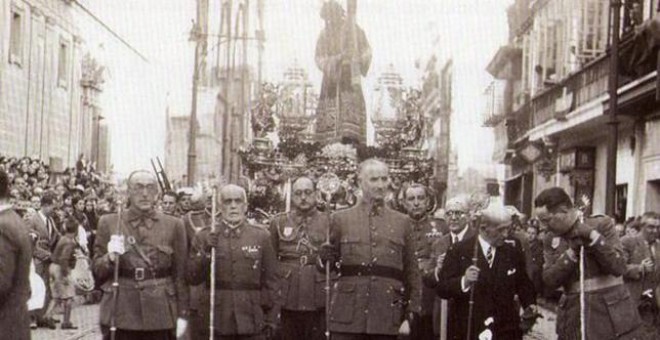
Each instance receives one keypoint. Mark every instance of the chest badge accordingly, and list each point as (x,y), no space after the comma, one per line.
(555,242)
(287,231)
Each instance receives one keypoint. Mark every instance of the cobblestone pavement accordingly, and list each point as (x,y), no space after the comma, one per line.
(86,318)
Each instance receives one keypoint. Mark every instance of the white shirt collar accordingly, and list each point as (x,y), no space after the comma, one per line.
(461,234)
(485,245)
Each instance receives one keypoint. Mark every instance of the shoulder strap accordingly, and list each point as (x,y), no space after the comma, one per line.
(135,244)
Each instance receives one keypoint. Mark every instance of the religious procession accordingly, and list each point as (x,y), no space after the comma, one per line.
(336,169)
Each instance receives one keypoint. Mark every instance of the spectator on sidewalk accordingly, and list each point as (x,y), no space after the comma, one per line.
(15,257)
(61,285)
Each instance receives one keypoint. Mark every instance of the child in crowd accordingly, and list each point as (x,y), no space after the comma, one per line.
(61,285)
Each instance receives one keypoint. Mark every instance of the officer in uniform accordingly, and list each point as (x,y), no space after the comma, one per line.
(246,272)
(610,312)
(425,232)
(195,221)
(297,236)
(377,294)
(151,249)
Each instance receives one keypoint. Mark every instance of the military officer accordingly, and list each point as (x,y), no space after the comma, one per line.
(195,221)
(378,292)
(246,272)
(151,249)
(297,236)
(425,232)
(610,313)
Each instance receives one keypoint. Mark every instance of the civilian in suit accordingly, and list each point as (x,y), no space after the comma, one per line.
(45,234)
(15,256)
(459,230)
(494,281)
(642,255)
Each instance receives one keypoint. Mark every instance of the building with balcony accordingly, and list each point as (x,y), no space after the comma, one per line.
(555,73)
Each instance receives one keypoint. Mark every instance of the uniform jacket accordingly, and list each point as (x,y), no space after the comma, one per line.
(370,304)
(15,257)
(296,239)
(494,291)
(636,249)
(152,304)
(425,232)
(613,314)
(246,278)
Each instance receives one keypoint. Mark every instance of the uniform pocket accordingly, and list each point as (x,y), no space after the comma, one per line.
(622,313)
(348,245)
(343,303)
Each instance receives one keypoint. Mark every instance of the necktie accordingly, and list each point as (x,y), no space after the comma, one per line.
(490,256)
(454,239)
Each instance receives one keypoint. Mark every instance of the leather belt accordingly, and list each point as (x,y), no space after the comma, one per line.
(596,283)
(303,260)
(230,285)
(141,274)
(375,270)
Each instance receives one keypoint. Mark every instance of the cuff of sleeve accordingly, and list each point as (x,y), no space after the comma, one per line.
(464,287)
(594,236)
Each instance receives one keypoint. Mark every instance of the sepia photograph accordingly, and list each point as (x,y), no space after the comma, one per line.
(329,169)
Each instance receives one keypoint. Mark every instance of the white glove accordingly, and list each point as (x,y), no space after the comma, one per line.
(404,329)
(181,325)
(117,244)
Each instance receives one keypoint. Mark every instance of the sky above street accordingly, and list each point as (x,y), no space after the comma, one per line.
(401,33)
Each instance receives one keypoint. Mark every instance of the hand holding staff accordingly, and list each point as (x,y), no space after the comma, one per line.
(213,234)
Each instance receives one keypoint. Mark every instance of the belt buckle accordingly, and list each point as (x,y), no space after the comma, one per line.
(303,260)
(139,274)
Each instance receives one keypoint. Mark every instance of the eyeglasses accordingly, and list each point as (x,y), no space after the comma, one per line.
(455,213)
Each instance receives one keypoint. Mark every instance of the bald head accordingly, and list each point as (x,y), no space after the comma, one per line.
(233,203)
(143,190)
(495,221)
(303,195)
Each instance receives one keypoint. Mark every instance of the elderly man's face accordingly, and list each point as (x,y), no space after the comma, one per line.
(232,204)
(143,191)
(416,202)
(303,194)
(650,229)
(374,181)
(494,233)
(456,220)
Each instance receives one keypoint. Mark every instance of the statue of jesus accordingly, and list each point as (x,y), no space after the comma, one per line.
(343,54)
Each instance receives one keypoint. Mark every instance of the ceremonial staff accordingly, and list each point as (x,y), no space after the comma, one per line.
(477,206)
(115,280)
(212,302)
(328,185)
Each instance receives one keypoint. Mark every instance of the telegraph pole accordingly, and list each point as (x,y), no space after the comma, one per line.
(199,35)
(613,122)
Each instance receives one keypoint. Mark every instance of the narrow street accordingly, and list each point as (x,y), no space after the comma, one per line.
(86,318)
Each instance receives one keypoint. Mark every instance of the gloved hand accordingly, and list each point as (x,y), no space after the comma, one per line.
(116,246)
(213,239)
(327,253)
(404,329)
(181,326)
(528,318)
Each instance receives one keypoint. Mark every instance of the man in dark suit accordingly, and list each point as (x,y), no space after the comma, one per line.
(377,295)
(15,255)
(45,234)
(493,281)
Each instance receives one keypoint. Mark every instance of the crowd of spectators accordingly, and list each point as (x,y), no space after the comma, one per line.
(48,201)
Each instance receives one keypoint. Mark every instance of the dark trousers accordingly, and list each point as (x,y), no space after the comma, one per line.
(422,328)
(123,334)
(303,325)
(353,336)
